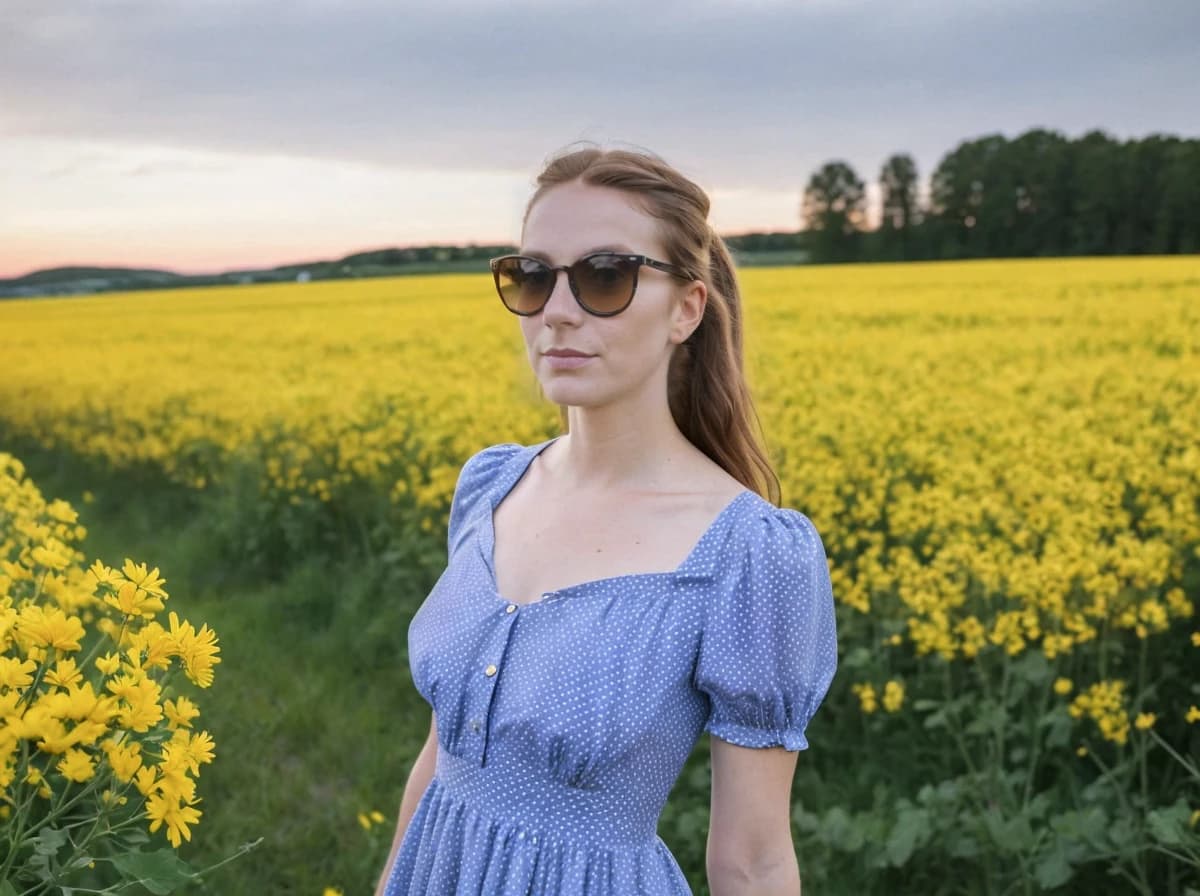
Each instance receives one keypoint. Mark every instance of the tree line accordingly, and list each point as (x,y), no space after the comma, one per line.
(1040,193)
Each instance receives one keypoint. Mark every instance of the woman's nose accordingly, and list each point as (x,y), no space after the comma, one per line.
(562,301)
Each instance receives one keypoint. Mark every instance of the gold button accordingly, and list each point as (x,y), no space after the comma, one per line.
(510,608)
(489,671)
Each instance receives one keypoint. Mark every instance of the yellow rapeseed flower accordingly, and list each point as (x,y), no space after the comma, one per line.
(197,649)
(50,627)
(77,766)
(134,601)
(180,712)
(125,758)
(140,708)
(176,815)
(51,556)
(64,674)
(893,696)
(99,574)
(190,750)
(1145,721)
(866,697)
(149,582)
(146,780)
(16,673)
(1193,714)
(1062,686)
(153,646)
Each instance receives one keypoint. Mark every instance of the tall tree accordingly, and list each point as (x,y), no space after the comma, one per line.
(898,183)
(971,196)
(834,212)
(1178,226)
(1098,181)
(1040,165)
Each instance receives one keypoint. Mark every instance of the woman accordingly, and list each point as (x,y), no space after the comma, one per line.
(616,590)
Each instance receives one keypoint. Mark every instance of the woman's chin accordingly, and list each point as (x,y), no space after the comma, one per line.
(574,394)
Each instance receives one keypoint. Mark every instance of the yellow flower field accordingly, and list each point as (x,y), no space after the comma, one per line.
(972,439)
(1003,457)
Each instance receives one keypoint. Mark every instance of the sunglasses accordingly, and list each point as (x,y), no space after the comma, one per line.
(603,283)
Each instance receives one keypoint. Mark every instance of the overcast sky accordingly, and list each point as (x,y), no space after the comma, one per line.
(206,135)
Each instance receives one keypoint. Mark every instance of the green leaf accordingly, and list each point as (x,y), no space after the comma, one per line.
(159,872)
(49,841)
(1089,826)
(1123,838)
(6,888)
(1059,734)
(858,658)
(991,717)
(911,831)
(1032,666)
(1053,871)
(1013,835)
(936,720)
(841,831)
(1167,825)
(133,836)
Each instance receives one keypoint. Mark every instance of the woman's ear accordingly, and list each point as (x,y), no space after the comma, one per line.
(689,310)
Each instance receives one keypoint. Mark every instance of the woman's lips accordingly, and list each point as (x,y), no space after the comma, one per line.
(567,362)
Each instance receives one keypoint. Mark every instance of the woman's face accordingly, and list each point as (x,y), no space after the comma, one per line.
(629,351)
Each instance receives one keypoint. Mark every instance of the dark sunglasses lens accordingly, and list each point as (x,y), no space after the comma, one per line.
(605,282)
(524,284)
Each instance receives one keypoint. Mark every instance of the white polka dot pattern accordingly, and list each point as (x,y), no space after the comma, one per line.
(563,724)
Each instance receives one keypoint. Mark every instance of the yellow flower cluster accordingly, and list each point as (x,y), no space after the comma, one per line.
(869,700)
(1104,703)
(91,708)
(368,819)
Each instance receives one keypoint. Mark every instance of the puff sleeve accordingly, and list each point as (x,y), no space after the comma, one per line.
(768,650)
(474,481)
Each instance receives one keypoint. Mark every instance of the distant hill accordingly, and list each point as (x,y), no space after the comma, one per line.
(748,249)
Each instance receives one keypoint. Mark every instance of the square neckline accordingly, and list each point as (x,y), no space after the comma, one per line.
(488,545)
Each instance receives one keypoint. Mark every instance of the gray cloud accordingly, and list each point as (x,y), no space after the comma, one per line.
(739,94)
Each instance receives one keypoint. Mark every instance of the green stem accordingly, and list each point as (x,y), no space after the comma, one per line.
(1191,769)
(1036,749)
(999,764)
(1124,800)
(1192,858)
(1142,772)
(100,643)
(17,828)
(30,692)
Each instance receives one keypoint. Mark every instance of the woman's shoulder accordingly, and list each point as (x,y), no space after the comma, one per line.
(485,463)
(771,544)
(478,475)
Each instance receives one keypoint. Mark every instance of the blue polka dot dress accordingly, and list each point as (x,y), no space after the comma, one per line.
(563,724)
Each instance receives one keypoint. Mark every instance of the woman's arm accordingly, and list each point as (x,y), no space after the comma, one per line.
(414,789)
(750,847)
